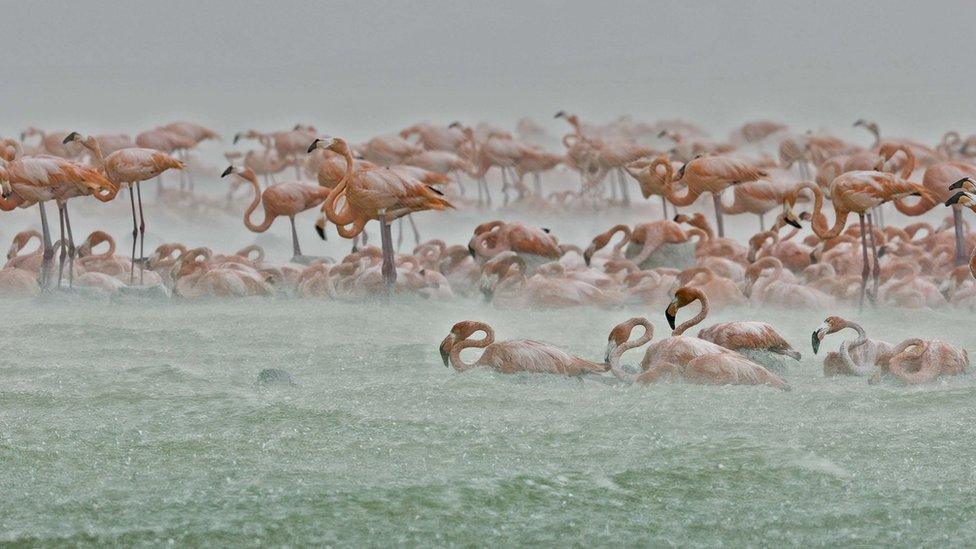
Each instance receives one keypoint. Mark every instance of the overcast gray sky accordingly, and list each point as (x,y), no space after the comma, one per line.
(366,66)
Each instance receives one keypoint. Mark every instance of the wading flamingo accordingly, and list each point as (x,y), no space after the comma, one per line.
(280,199)
(681,357)
(129,167)
(509,357)
(857,357)
(855,192)
(710,174)
(917,361)
(375,193)
(737,336)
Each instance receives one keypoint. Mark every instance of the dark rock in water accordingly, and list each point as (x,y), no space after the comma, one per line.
(274,376)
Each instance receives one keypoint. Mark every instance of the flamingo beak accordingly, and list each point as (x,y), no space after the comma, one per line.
(228,171)
(313,146)
(815,341)
(961,184)
(611,346)
(71,137)
(671,312)
(560,114)
(237,137)
(588,255)
(445,349)
(960,197)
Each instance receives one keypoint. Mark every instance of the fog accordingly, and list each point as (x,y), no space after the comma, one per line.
(365,67)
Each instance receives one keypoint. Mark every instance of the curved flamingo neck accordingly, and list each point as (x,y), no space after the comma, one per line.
(249,176)
(613,357)
(468,343)
(819,223)
(699,297)
(348,215)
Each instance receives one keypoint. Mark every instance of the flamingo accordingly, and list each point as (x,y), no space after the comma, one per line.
(859,192)
(513,356)
(710,174)
(682,357)
(37,179)
(856,357)
(129,167)
(737,336)
(375,193)
(281,199)
(917,360)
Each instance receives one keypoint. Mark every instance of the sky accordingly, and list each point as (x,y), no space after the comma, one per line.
(365,67)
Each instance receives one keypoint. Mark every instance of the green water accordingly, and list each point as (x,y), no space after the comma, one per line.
(142,424)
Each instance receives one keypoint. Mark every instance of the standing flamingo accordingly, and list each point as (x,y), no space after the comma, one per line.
(281,199)
(509,357)
(375,193)
(710,174)
(129,167)
(856,192)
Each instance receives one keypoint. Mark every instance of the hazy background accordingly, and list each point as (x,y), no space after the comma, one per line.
(362,67)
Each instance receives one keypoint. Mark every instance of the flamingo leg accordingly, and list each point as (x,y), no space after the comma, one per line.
(399,234)
(416,233)
(484,183)
(538,183)
(135,234)
(296,249)
(457,181)
(142,235)
(481,199)
(623,187)
(71,249)
(504,187)
(64,252)
(664,205)
(762,222)
(48,256)
(864,257)
(389,269)
(960,236)
(717,201)
(876,270)
(613,190)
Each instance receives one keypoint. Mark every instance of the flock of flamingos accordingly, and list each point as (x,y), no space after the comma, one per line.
(672,262)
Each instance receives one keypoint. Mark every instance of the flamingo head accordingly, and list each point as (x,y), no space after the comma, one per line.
(966,184)
(73,136)
(830,325)
(682,297)
(962,198)
(333,144)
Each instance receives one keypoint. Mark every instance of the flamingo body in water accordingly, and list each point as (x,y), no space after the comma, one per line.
(687,358)
(855,357)
(509,357)
(737,336)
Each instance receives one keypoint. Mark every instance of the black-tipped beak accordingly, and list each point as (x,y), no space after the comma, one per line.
(70,137)
(237,137)
(815,341)
(313,145)
(586,257)
(882,250)
(471,252)
(560,114)
(959,184)
(228,171)
(676,218)
(793,222)
(445,356)
(320,230)
(454,124)
(954,199)
(669,314)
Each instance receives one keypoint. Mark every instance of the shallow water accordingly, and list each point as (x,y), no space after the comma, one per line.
(134,424)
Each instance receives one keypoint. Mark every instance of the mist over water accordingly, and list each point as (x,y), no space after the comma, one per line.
(139,422)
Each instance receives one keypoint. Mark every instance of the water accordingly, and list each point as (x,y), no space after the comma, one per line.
(128,424)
